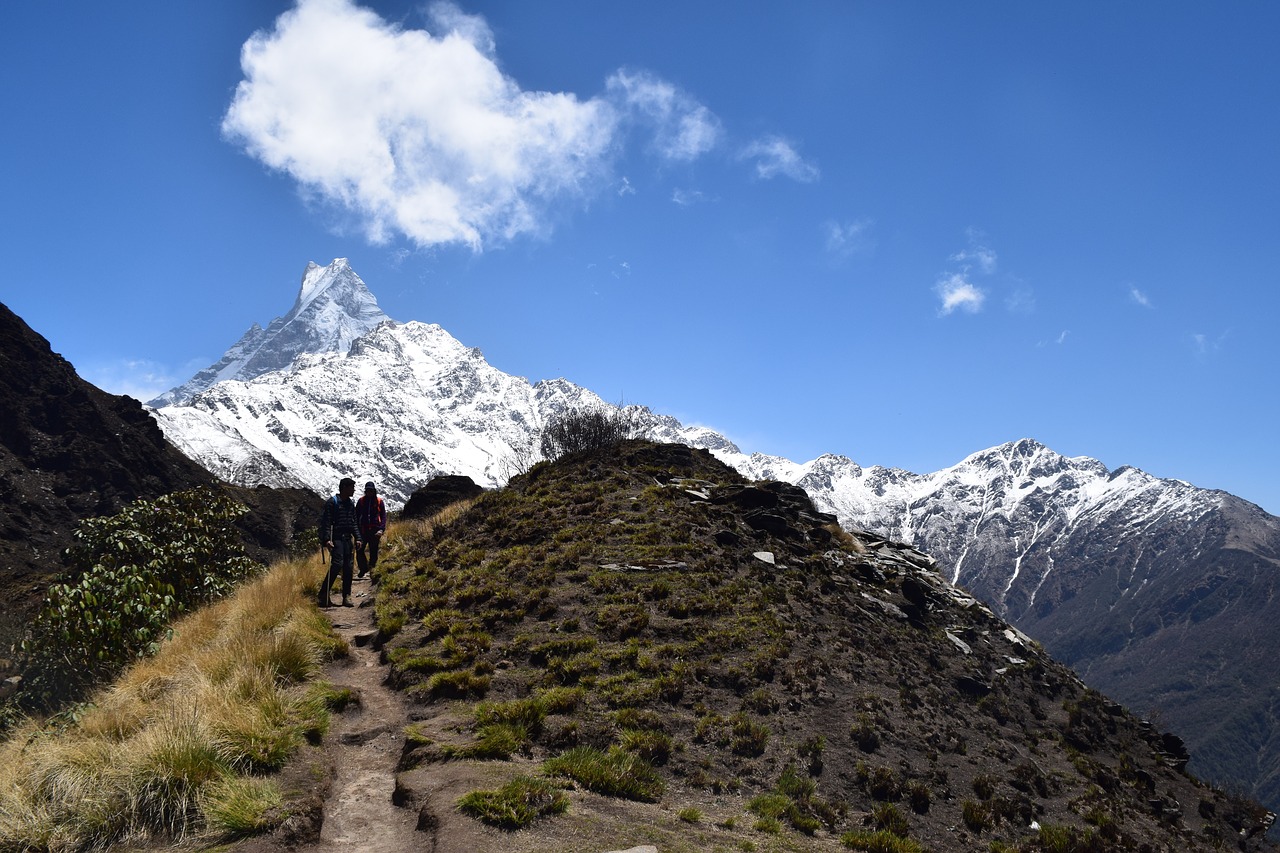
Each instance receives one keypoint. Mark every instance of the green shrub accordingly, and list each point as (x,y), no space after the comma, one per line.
(880,783)
(516,804)
(616,773)
(771,825)
(769,805)
(887,817)
(458,684)
(977,816)
(920,796)
(654,747)
(689,815)
(240,805)
(881,841)
(864,734)
(749,737)
(794,785)
(136,572)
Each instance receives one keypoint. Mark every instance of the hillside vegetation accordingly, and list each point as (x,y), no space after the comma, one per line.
(626,646)
(185,744)
(641,624)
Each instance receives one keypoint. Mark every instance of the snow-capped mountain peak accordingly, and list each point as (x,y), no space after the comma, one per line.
(333,309)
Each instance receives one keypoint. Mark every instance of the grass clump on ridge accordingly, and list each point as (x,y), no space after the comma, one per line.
(616,773)
(516,804)
(168,749)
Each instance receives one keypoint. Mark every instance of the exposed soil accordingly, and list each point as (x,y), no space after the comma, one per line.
(363,746)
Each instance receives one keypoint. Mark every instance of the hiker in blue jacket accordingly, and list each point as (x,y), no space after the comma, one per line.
(340,533)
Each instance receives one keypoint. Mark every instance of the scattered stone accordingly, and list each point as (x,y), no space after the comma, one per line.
(764,557)
(960,644)
(887,606)
(915,591)
(727,538)
(745,497)
(770,522)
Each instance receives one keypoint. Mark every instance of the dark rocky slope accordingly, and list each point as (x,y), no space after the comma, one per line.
(649,600)
(70,451)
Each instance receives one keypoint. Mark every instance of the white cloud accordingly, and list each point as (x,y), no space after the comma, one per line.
(625,187)
(959,294)
(775,156)
(138,378)
(977,254)
(1139,297)
(683,128)
(684,197)
(847,238)
(413,132)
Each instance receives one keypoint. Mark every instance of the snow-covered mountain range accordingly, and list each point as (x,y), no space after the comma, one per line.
(1161,594)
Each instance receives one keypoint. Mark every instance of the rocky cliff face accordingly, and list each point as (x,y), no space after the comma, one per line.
(1161,594)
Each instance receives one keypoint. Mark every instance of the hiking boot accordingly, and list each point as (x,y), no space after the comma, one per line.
(325,602)
(346,602)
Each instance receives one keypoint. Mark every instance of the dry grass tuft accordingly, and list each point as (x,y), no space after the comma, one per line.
(166,751)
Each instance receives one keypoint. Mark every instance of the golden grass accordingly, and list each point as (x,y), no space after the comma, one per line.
(418,529)
(167,750)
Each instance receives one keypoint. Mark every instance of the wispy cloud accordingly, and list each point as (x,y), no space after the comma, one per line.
(137,378)
(1139,297)
(959,294)
(685,198)
(1204,345)
(774,156)
(977,254)
(418,132)
(845,239)
(683,129)
(1058,341)
(956,289)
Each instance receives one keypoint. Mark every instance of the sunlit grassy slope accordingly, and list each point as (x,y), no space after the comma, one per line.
(177,746)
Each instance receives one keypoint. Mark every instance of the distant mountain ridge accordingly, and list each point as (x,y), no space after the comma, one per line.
(1161,594)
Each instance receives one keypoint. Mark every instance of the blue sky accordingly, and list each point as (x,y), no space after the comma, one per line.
(903,232)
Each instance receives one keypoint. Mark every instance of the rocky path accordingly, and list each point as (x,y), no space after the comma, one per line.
(365,744)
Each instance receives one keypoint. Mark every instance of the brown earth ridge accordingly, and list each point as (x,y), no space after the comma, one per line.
(764,680)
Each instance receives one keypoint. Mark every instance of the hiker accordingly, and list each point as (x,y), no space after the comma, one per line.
(341,535)
(371,513)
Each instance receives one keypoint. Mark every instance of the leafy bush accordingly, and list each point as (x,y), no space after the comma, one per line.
(137,571)
(584,430)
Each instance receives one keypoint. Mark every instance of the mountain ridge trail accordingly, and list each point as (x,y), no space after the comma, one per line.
(365,744)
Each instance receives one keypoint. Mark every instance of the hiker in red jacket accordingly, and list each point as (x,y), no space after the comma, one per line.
(372,516)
